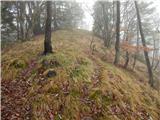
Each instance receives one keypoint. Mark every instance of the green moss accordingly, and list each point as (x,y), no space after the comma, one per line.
(75,93)
(53,89)
(18,63)
(63,59)
(81,72)
(106,100)
(34,71)
(95,94)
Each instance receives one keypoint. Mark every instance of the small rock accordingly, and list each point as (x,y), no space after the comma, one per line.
(50,73)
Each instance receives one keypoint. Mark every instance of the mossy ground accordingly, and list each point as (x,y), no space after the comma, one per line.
(86,85)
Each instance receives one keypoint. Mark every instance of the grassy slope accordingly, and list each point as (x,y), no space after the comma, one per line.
(86,84)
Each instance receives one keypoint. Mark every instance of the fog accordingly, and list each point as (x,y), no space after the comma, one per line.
(87,5)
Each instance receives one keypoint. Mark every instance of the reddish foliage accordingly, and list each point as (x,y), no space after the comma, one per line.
(133,49)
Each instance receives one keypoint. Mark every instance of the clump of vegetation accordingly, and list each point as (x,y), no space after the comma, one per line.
(82,70)
(18,63)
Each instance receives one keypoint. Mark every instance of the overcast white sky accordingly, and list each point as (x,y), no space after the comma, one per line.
(88,5)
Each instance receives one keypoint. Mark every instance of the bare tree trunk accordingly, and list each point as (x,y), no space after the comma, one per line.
(105,25)
(18,35)
(154,51)
(26,21)
(151,81)
(114,22)
(47,41)
(156,66)
(127,59)
(137,51)
(55,17)
(37,26)
(117,44)
(22,20)
(17,20)
(127,53)
(35,9)
(29,31)
(106,33)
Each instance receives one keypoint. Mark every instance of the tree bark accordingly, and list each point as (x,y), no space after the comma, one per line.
(151,81)
(22,10)
(156,66)
(29,30)
(154,51)
(37,26)
(127,59)
(117,44)
(17,20)
(47,41)
(106,33)
(55,17)
(127,53)
(104,23)
(137,51)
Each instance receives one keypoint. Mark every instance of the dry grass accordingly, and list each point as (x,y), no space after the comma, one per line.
(72,93)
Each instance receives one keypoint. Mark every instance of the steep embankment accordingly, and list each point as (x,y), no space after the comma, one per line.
(72,83)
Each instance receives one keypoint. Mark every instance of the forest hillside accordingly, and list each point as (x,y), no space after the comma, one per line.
(78,81)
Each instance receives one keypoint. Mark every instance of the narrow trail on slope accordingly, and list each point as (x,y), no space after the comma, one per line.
(14,96)
(93,55)
(96,74)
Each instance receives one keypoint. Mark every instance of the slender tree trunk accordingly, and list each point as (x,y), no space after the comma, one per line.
(36,17)
(22,20)
(137,51)
(18,35)
(55,24)
(154,51)
(17,20)
(156,66)
(151,81)
(26,21)
(55,17)
(26,30)
(127,53)
(29,31)
(37,26)
(117,44)
(127,59)
(47,41)
(105,27)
